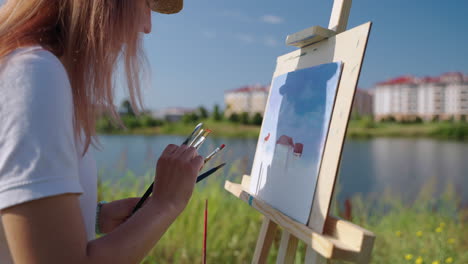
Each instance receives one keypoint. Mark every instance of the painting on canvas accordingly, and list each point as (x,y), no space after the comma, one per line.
(292,138)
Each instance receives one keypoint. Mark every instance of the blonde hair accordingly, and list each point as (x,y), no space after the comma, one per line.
(90,37)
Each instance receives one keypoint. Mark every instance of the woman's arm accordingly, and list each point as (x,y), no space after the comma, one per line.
(114,213)
(51,230)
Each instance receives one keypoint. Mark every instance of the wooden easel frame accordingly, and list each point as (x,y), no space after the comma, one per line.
(326,236)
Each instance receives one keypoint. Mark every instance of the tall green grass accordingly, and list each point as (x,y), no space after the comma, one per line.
(428,230)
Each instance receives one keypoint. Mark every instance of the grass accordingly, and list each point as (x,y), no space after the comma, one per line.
(440,130)
(362,128)
(223,129)
(428,230)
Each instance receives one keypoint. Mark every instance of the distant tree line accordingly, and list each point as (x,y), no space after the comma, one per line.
(217,115)
(130,120)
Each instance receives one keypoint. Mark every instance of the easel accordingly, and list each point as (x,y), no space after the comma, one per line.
(327,238)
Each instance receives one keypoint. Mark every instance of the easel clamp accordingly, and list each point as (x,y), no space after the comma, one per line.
(337,24)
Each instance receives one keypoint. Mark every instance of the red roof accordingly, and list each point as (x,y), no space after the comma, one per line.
(452,74)
(250,88)
(429,79)
(452,77)
(443,78)
(399,80)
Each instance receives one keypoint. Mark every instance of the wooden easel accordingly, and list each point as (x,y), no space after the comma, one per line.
(327,238)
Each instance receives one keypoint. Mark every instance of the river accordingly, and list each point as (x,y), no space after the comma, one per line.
(368,167)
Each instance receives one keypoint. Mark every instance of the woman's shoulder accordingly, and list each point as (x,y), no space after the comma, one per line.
(35,90)
(32,64)
(32,72)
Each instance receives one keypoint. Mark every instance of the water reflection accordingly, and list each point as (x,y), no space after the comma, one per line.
(368,166)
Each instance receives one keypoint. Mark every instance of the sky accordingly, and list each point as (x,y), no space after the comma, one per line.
(215,46)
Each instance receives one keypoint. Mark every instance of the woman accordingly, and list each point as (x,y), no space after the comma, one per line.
(57,59)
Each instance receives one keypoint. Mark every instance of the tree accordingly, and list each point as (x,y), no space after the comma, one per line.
(418,120)
(190,118)
(203,112)
(234,118)
(366,122)
(130,122)
(217,115)
(355,115)
(104,125)
(257,119)
(127,107)
(244,118)
(149,121)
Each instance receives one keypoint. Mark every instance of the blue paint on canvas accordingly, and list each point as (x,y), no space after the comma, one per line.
(292,139)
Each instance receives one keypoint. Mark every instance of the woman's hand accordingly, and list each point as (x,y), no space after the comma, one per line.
(115,213)
(177,170)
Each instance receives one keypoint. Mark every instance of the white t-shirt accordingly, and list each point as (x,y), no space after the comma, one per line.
(39,156)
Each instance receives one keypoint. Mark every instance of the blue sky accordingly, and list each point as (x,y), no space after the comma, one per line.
(214,46)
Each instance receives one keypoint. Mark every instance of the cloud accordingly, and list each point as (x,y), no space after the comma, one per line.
(245,38)
(270,41)
(272,19)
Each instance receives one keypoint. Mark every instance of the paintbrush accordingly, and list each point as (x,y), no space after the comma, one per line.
(201,140)
(195,138)
(150,189)
(209,172)
(186,141)
(211,155)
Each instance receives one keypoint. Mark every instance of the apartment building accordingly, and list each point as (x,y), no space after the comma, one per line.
(363,103)
(251,99)
(428,98)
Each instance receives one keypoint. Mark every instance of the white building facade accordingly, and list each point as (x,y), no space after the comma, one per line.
(251,99)
(428,98)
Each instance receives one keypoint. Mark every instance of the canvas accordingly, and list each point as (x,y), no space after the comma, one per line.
(292,138)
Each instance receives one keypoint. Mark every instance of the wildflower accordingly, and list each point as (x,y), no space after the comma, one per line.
(419,233)
(419,260)
(435,262)
(438,229)
(451,241)
(449,260)
(408,257)
(442,224)
(398,233)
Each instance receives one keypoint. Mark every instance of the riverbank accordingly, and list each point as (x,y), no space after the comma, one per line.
(430,230)
(223,129)
(364,128)
(438,130)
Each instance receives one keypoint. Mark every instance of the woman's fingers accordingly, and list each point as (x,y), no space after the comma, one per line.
(198,162)
(169,150)
(180,151)
(189,154)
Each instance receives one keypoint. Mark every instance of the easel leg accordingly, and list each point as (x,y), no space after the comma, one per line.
(287,248)
(265,239)
(313,257)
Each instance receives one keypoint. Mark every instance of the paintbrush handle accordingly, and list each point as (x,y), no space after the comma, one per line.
(143,198)
(150,188)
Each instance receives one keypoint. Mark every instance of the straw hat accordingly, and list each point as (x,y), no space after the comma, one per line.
(166,6)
